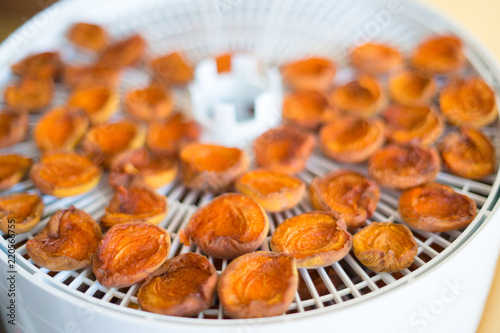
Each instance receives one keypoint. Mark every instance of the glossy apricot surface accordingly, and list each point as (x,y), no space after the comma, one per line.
(172,68)
(307,110)
(13,167)
(25,209)
(99,102)
(90,76)
(439,55)
(88,36)
(124,53)
(314,74)
(376,59)
(150,103)
(13,126)
(31,94)
(412,88)
(45,65)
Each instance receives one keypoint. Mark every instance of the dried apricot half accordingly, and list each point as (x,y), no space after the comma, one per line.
(439,55)
(64,174)
(404,167)
(166,137)
(78,77)
(412,88)
(376,59)
(150,103)
(274,191)
(436,207)
(183,286)
(46,65)
(259,284)
(315,239)
(223,63)
(469,102)
(348,194)
(104,142)
(469,153)
(385,246)
(307,110)
(30,94)
(88,37)
(61,127)
(99,102)
(351,139)
(228,226)
(124,53)
(24,208)
(415,125)
(309,74)
(135,204)
(212,168)
(12,169)
(129,253)
(13,126)
(283,149)
(172,68)
(139,167)
(67,242)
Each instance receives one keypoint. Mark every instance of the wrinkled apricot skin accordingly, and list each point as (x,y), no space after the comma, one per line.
(469,103)
(104,142)
(124,53)
(183,286)
(67,242)
(61,127)
(149,104)
(64,174)
(351,139)
(313,74)
(46,65)
(31,94)
(376,59)
(385,247)
(79,77)
(12,169)
(347,194)
(129,253)
(228,226)
(167,137)
(259,284)
(283,149)
(99,102)
(469,154)
(307,110)
(363,97)
(404,167)
(435,207)
(211,168)
(139,167)
(172,68)
(24,208)
(314,239)
(135,204)
(413,125)
(412,88)
(88,37)
(439,55)
(13,126)
(274,191)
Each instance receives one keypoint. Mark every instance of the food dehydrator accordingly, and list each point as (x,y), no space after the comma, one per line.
(443,291)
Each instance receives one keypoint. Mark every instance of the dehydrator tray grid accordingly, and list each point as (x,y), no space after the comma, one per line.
(294,29)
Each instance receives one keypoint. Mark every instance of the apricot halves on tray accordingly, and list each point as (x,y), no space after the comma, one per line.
(351,139)
(12,169)
(413,125)
(228,226)
(363,97)
(90,76)
(469,153)
(315,239)
(30,94)
(183,286)
(61,127)
(385,247)
(99,102)
(469,103)
(439,55)
(124,53)
(412,88)
(64,174)
(274,191)
(24,208)
(135,204)
(309,74)
(259,284)
(129,253)
(172,68)
(376,59)
(44,65)
(212,168)
(13,126)
(348,194)
(307,110)
(435,207)
(150,103)
(283,149)
(88,37)
(67,242)
(404,167)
